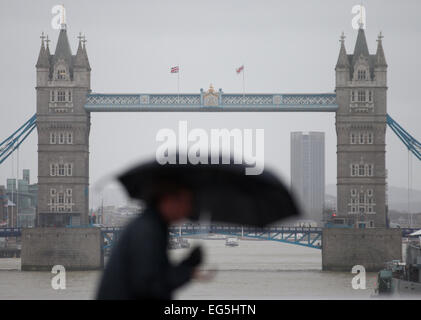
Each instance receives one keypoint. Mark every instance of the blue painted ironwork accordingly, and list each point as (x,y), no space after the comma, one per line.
(99,102)
(308,237)
(10,232)
(302,236)
(409,141)
(13,142)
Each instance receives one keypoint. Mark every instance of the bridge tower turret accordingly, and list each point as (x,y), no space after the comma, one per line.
(63,81)
(361,90)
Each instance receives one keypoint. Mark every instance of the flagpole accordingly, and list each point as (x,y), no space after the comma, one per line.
(178,84)
(244,87)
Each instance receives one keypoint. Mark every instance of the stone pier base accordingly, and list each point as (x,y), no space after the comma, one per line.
(344,248)
(74,248)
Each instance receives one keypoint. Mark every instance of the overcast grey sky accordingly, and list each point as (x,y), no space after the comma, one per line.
(286,46)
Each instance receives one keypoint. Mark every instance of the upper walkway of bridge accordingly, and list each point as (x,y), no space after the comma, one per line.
(211,100)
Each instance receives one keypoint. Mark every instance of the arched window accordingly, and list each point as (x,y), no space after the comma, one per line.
(361,96)
(61,74)
(361,171)
(53,169)
(362,74)
(69,137)
(370,138)
(61,138)
(61,171)
(53,138)
(353,138)
(69,169)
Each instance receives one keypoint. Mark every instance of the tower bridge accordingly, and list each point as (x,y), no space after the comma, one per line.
(65,101)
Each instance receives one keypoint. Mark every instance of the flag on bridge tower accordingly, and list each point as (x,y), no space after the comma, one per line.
(241,70)
(176,69)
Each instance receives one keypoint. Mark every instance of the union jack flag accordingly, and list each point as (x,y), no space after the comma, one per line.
(240,69)
(174,69)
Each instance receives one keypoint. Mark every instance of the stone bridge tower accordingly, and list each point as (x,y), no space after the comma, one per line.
(63,81)
(361,90)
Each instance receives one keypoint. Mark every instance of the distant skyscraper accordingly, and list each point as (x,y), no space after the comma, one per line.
(308,172)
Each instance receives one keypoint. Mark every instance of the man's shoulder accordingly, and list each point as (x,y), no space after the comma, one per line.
(146,222)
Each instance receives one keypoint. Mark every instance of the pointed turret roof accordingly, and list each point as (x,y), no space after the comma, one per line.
(343,58)
(380,58)
(43,57)
(63,50)
(361,47)
(86,57)
(81,58)
(48,48)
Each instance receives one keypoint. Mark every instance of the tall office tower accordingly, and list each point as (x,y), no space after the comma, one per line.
(308,172)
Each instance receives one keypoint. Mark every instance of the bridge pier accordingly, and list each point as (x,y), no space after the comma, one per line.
(73,248)
(343,248)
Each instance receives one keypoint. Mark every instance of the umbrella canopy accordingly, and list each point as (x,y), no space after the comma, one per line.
(221,190)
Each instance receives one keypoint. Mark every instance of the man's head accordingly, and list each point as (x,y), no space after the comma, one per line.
(176,206)
(172,201)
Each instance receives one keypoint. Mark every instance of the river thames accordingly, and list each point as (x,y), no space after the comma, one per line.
(253,270)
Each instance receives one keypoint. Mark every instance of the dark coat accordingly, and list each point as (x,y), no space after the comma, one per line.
(139,267)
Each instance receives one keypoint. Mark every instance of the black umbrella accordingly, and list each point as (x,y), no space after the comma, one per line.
(222,190)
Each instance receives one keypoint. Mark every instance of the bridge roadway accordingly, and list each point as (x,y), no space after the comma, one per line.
(302,236)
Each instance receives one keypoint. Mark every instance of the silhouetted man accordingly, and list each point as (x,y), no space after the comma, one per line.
(139,267)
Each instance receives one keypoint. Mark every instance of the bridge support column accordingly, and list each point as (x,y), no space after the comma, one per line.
(344,248)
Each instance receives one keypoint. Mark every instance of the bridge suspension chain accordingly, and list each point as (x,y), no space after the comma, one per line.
(11,143)
(412,144)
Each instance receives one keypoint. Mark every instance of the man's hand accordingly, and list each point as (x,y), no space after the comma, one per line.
(194,259)
(202,275)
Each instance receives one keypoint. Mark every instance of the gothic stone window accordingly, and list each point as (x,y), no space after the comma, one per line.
(361,137)
(61,137)
(61,95)
(61,74)
(61,169)
(53,170)
(69,137)
(69,169)
(362,71)
(362,201)
(362,74)
(362,170)
(61,200)
(53,137)
(361,95)
(353,138)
